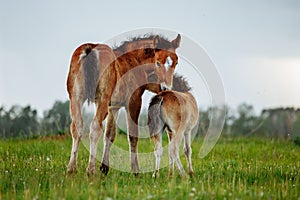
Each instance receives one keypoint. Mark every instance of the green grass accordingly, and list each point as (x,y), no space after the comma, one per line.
(241,168)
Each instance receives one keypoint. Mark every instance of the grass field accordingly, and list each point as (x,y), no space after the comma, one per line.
(243,168)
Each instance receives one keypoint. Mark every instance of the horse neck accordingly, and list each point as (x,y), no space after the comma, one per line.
(132,60)
(138,44)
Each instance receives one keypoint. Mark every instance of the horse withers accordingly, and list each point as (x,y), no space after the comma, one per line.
(176,112)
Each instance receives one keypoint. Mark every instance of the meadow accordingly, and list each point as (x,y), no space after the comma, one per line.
(237,168)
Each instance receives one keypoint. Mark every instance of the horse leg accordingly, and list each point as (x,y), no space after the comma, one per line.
(110,133)
(157,152)
(95,134)
(133,111)
(171,169)
(188,151)
(174,151)
(76,129)
(169,133)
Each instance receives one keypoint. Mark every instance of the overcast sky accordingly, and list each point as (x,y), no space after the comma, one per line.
(255,45)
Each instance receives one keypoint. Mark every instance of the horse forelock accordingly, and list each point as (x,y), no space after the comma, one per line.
(180,84)
(163,43)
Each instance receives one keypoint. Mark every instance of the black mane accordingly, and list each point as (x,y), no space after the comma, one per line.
(164,43)
(180,84)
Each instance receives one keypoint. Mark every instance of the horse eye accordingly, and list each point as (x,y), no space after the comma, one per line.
(158,64)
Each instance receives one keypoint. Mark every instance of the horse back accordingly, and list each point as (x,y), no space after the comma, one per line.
(178,108)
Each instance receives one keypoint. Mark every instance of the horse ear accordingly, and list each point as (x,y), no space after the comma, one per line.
(156,40)
(176,42)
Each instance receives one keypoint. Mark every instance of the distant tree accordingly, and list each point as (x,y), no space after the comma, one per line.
(19,122)
(205,117)
(57,119)
(5,122)
(280,122)
(296,125)
(26,123)
(229,119)
(203,122)
(245,122)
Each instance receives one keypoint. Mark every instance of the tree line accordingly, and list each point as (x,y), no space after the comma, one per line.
(24,122)
(283,123)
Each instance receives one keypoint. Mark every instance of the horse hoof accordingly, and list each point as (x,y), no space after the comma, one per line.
(135,169)
(71,170)
(104,169)
(191,173)
(184,176)
(136,174)
(91,171)
(155,175)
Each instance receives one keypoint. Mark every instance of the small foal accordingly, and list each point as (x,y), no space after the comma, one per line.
(176,112)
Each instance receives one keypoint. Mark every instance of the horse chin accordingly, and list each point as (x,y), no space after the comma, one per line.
(164,87)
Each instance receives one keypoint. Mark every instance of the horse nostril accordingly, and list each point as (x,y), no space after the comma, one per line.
(163,87)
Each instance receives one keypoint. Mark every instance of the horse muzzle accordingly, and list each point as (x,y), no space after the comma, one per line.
(164,87)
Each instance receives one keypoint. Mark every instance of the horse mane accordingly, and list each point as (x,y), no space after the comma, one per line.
(164,43)
(180,84)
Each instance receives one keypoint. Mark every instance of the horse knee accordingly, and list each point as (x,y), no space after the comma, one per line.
(158,152)
(187,150)
(173,152)
(75,131)
(111,139)
(109,136)
(133,142)
(95,130)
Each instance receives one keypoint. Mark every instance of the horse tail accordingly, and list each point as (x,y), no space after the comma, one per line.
(91,73)
(155,122)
